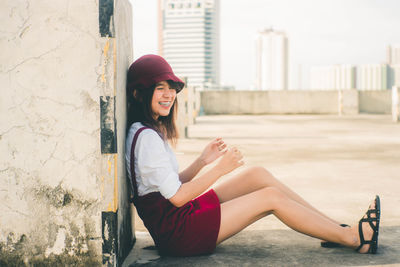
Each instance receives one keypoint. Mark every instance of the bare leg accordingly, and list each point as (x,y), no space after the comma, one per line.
(240,212)
(254,179)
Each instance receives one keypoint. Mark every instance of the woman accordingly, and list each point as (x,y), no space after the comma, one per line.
(183,220)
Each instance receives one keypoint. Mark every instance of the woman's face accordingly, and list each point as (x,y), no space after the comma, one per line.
(163,99)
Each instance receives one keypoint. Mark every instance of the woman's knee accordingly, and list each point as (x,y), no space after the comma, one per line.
(273,196)
(262,175)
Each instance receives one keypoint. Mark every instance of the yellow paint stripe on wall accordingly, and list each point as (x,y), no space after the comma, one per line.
(105,54)
(109,166)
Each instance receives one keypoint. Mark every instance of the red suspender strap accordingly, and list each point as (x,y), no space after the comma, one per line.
(133,175)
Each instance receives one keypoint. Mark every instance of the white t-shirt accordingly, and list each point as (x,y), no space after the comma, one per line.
(156,167)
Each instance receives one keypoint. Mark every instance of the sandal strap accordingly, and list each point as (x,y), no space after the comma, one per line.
(374,227)
(361,234)
(373,211)
(370,222)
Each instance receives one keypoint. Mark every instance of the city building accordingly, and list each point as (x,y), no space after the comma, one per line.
(334,77)
(374,77)
(271,60)
(393,59)
(393,54)
(189,39)
(395,74)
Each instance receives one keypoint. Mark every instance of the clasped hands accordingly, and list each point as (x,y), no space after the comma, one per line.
(231,157)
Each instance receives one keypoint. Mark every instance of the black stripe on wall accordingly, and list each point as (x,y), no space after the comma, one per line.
(106,18)
(108,125)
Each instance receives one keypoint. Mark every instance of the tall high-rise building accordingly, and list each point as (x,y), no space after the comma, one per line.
(271,60)
(189,39)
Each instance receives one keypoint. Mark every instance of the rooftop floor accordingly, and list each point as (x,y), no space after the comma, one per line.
(338,164)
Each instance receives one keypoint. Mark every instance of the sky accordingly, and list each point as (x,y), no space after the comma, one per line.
(320,33)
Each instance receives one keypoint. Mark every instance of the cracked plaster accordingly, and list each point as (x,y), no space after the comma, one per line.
(55,182)
(50,161)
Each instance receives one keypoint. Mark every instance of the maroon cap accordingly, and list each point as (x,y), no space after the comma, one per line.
(149,70)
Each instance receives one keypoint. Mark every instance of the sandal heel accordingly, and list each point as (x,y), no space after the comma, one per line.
(373,243)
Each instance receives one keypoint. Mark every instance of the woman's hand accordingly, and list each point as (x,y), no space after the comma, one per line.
(213,150)
(231,160)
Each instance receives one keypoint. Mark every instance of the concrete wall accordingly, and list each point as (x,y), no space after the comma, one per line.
(374,101)
(347,102)
(62,76)
(344,102)
(271,102)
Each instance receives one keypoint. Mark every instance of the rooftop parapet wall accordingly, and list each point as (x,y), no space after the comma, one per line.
(342,102)
(62,78)
(374,101)
(274,102)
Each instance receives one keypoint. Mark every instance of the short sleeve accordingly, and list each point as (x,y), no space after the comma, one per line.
(154,166)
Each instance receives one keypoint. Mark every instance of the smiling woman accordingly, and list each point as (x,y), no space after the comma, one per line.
(151,91)
(163,98)
(184,216)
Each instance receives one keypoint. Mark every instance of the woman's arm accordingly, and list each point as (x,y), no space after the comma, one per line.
(187,174)
(230,161)
(211,152)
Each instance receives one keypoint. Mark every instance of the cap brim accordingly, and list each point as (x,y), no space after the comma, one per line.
(169,77)
(149,81)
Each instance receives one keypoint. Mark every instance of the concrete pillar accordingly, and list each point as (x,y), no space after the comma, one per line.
(348,102)
(63,193)
(187,104)
(340,102)
(396,103)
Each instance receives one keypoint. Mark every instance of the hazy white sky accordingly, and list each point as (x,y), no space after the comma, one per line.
(320,32)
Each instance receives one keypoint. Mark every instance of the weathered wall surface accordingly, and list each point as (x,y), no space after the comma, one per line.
(345,102)
(61,151)
(379,102)
(274,102)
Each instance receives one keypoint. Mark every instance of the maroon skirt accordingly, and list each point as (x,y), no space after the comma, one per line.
(186,231)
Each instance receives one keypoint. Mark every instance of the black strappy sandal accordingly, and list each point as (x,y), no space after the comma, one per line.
(329,244)
(373,243)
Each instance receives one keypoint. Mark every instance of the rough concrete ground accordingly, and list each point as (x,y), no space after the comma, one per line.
(338,164)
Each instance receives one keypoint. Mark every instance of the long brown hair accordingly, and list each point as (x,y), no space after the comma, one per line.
(139,110)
